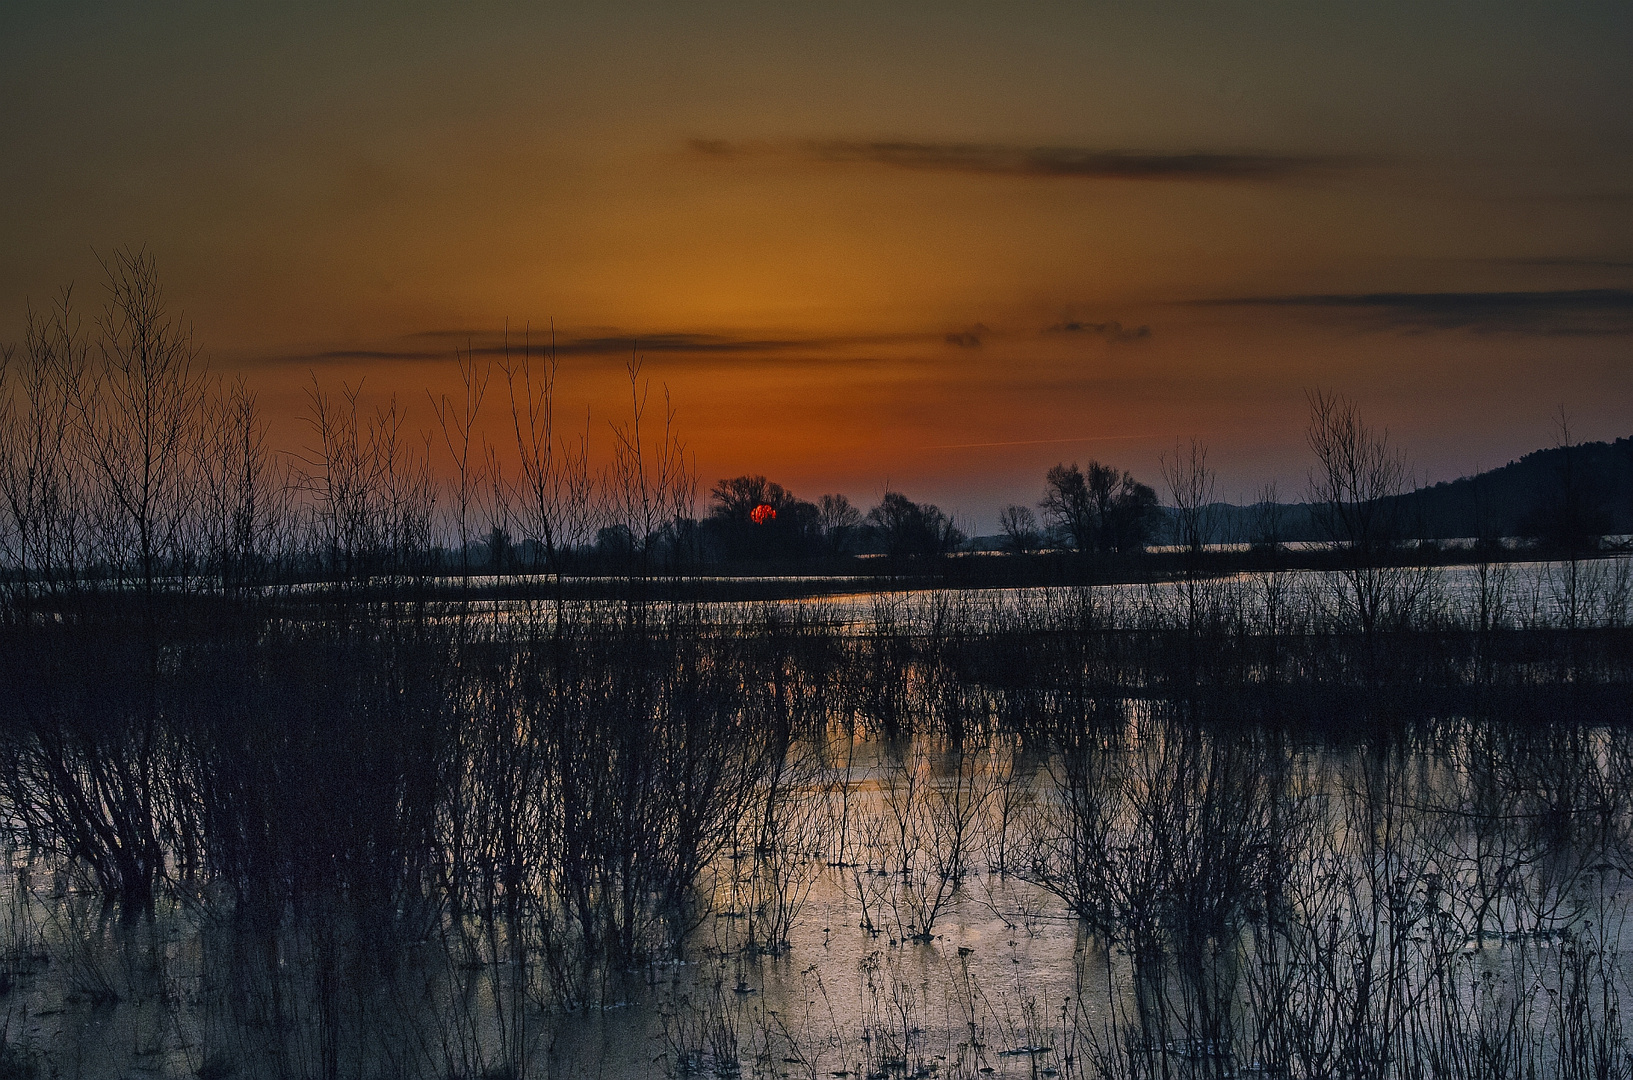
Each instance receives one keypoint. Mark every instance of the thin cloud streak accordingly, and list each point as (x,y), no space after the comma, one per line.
(1041,162)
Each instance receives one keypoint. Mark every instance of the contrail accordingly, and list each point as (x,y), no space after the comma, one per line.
(1044,442)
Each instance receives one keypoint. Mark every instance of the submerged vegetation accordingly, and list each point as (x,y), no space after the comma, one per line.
(287,791)
(1307,849)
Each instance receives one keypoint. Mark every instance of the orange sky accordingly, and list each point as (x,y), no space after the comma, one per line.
(934,246)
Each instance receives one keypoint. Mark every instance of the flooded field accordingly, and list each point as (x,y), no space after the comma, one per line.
(1155,901)
(1533,594)
(1086,833)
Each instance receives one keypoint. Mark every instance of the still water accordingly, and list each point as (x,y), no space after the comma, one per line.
(1148,899)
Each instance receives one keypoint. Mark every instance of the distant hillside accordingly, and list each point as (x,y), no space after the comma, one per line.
(1520,499)
(1514,497)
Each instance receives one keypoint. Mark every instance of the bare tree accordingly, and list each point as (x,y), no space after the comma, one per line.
(42,530)
(1068,506)
(1190,484)
(913,529)
(532,414)
(651,488)
(372,494)
(838,520)
(141,410)
(1097,507)
(1265,534)
(131,420)
(408,490)
(579,504)
(1020,529)
(458,424)
(1355,491)
(498,496)
(341,476)
(1268,526)
(245,491)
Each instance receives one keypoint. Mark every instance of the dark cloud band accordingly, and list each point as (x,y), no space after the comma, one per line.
(996,159)
(495,344)
(1557,312)
(1114,332)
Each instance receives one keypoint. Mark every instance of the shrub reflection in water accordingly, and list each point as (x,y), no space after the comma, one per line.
(332,834)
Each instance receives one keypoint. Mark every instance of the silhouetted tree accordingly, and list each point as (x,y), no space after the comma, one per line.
(788,528)
(1099,509)
(1020,529)
(615,543)
(838,520)
(1129,513)
(651,486)
(542,488)
(371,493)
(142,410)
(458,425)
(735,499)
(500,547)
(1068,507)
(1267,527)
(1355,492)
(43,525)
(908,528)
(1190,485)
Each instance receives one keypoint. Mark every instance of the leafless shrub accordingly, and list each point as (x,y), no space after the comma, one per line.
(1355,490)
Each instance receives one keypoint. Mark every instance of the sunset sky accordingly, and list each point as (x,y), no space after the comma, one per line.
(936,246)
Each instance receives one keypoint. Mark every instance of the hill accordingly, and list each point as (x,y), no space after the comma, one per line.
(1539,495)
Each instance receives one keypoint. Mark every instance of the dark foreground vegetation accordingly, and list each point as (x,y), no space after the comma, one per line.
(419,840)
(286,793)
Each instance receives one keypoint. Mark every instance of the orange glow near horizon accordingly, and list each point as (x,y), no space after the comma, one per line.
(935,251)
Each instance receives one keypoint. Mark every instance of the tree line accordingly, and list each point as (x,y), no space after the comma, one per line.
(125,461)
